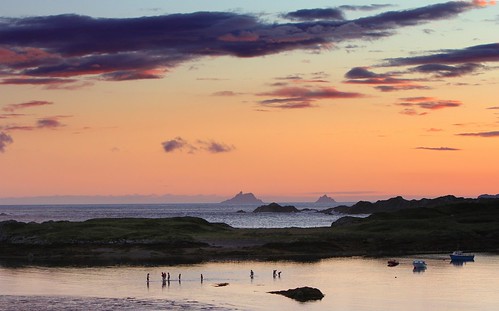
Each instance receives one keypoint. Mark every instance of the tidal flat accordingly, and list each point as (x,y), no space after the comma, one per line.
(470,225)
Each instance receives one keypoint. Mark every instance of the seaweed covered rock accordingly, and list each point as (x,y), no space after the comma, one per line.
(301,293)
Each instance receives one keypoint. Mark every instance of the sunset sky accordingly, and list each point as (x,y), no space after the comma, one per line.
(289,100)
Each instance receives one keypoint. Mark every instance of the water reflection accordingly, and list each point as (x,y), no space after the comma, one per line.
(460,263)
(419,269)
(349,284)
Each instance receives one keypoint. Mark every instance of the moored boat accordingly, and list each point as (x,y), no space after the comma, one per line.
(460,256)
(419,264)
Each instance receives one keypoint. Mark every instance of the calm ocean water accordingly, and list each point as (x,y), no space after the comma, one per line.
(355,284)
(229,214)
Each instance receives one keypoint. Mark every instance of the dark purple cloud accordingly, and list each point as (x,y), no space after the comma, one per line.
(179,144)
(469,55)
(313,14)
(4,141)
(386,82)
(117,49)
(481,134)
(438,148)
(215,147)
(51,123)
(447,71)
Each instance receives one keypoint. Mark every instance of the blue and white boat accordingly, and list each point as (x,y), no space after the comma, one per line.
(460,256)
(419,264)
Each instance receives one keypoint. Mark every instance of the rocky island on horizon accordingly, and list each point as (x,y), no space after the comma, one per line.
(243,198)
(325,199)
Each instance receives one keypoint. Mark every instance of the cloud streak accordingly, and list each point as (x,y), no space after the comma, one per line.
(62,48)
(180,144)
(481,134)
(412,104)
(302,97)
(438,148)
(30,104)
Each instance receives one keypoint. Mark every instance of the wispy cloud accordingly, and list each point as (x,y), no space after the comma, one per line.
(481,134)
(30,104)
(411,104)
(180,144)
(5,139)
(438,148)
(58,49)
(385,82)
(302,97)
(467,56)
(448,71)
(42,123)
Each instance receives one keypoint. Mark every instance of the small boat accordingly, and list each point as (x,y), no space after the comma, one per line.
(392,263)
(460,256)
(419,264)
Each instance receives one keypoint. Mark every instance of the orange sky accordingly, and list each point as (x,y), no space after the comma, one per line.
(341,98)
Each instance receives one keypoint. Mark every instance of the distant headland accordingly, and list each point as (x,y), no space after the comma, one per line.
(243,198)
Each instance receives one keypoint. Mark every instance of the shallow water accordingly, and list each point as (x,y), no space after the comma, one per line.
(348,284)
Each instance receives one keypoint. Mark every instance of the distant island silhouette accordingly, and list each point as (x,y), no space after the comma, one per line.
(243,198)
(325,200)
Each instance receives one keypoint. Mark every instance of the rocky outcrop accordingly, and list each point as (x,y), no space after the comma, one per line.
(302,294)
(243,198)
(346,220)
(395,204)
(325,200)
(276,208)
(489,196)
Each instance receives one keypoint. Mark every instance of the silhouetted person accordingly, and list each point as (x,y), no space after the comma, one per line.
(274,273)
(168,277)
(279,274)
(148,278)
(201,278)
(252,274)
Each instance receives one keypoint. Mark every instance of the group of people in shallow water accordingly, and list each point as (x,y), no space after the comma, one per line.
(274,274)
(165,277)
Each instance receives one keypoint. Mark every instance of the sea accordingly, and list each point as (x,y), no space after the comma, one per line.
(235,215)
(350,283)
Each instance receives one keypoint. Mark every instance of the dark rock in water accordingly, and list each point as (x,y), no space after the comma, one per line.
(276,208)
(221,284)
(301,293)
(240,211)
(243,198)
(325,200)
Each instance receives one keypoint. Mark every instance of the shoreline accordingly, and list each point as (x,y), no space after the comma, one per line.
(468,226)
